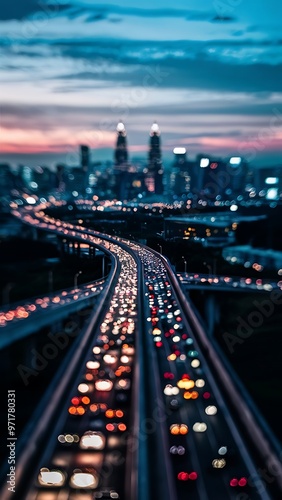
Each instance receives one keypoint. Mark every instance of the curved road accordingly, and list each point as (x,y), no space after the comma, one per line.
(142,407)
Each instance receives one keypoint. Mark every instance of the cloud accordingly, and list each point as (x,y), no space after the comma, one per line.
(225,19)
(19,10)
(79,66)
(201,73)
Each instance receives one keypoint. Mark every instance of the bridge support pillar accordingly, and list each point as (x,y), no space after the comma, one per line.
(212,312)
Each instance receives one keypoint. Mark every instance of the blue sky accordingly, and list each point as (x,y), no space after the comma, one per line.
(208,71)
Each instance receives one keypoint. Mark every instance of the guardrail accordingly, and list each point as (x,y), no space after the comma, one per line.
(146,390)
(36,441)
(246,415)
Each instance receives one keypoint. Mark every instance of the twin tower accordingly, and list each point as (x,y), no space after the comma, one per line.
(153,170)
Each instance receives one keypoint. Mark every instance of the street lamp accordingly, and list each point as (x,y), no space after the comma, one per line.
(185,264)
(209,268)
(50,280)
(161,248)
(103,265)
(6,293)
(75,278)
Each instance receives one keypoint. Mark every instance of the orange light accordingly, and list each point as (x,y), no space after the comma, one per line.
(85,400)
(187,395)
(174,429)
(80,410)
(177,429)
(171,357)
(72,410)
(122,427)
(191,395)
(110,427)
(185,384)
(110,413)
(119,413)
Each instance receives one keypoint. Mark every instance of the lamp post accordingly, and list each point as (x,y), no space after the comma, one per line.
(185,264)
(209,268)
(50,280)
(6,293)
(161,248)
(75,278)
(103,265)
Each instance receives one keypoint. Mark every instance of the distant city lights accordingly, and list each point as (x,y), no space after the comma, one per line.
(271,180)
(179,151)
(204,162)
(272,194)
(30,200)
(235,160)
(120,127)
(234,208)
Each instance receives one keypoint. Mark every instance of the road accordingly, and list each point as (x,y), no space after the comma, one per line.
(227,283)
(142,407)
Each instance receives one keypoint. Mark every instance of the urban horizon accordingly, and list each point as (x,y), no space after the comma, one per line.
(141,250)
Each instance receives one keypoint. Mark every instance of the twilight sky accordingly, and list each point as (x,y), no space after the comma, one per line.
(209,71)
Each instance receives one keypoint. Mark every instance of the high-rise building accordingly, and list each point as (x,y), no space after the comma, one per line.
(7,179)
(155,167)
(121,163)
(212,179)
(268,182)
(180,179)
(221,179)
(121,155)
(237,175)
(84,157)
(83,175)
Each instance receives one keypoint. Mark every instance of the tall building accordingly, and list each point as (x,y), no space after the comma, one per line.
(155,167)
(7,179)
(84,157)
(121,155)
(237,170)
(268,182)
(221,179)
(121,163)
(180,179)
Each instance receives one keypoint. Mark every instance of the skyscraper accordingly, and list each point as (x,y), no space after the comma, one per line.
(181,172)
(121,163)
(121,155)
(84,157)
(155,168)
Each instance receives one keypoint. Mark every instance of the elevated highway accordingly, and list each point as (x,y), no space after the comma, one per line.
(142,407)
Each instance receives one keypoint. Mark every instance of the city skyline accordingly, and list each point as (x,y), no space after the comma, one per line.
(209,74)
